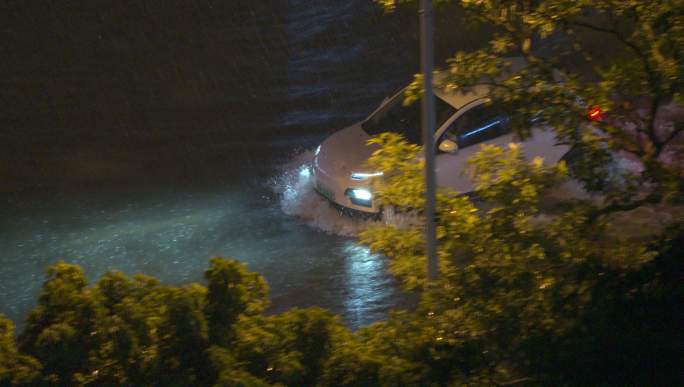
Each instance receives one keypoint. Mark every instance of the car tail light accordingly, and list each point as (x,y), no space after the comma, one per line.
(595,114)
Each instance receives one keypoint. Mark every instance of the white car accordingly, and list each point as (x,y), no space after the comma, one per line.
(463,122)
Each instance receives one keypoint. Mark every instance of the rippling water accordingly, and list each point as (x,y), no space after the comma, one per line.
(150,138)
(172,235)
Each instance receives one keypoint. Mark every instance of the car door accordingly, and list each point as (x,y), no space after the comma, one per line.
(478,123)
(543,143)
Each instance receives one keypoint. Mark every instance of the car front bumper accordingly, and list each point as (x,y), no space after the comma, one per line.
(339,192)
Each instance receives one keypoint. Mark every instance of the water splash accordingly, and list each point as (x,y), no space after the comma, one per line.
(294,185)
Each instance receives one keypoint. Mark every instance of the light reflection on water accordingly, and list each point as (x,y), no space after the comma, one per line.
(333,65)
(367,282)
(172,237)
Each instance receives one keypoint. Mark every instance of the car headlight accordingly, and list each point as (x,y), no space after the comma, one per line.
(304,171)
(364,175)
(360,196)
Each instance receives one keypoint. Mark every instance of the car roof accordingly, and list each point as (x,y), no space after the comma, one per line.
(458,99)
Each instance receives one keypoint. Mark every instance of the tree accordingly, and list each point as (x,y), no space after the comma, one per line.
(133,331)
(542,297)
(15,368)
(59,331)
(622,56)
(183,339)
(524,295)
(291,348)
(232,291)
(128,329)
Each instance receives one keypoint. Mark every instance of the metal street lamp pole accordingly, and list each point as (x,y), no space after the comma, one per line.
(428,121)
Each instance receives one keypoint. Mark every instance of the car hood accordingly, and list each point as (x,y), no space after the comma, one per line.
(346,151)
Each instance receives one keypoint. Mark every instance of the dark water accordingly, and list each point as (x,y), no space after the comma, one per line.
(150,136)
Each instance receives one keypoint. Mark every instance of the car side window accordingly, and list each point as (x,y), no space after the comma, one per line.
(479,124)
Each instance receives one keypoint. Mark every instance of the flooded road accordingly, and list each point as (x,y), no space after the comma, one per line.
(153,136)
(279,227)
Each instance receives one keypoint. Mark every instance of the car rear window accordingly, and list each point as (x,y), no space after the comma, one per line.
(405,120)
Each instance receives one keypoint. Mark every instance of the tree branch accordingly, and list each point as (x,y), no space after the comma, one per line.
(637,50)
(619,207)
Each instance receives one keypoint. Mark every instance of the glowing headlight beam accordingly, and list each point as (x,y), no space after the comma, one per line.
(304,171)
(362,194)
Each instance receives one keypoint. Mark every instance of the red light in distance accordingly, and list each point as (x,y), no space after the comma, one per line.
(595,114)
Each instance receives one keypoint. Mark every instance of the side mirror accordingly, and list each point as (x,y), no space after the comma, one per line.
(448,146)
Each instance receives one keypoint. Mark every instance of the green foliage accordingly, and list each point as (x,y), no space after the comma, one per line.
(133,331)
(632,325)
(519,287)
(232,291)
(525,299)
(60,329)
(15,368)
(183,338)
(625,57)
(230,373)
(290,348)
(352,363)
(402,168)
(129,321)
(549,298)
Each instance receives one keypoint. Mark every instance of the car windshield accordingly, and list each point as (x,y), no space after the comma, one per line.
(405,120)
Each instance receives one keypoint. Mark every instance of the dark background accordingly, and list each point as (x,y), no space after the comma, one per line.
(124,92)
